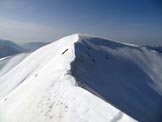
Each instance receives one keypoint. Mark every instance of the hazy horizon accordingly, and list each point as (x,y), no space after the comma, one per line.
(137,22)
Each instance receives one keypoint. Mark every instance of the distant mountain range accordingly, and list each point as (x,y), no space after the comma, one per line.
(34,45)
(8,48)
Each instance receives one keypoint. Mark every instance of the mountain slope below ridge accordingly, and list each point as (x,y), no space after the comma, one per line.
(121,72)
(41,88)
(8,48)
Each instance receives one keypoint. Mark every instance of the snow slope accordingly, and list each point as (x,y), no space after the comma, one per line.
(84,79)
(125,73)
(8,48)
(7,63)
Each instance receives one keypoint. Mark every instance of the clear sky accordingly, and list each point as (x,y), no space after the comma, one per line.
(133,21)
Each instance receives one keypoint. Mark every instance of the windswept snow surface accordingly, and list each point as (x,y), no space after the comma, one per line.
(7,63)
(83,79)
(127,76)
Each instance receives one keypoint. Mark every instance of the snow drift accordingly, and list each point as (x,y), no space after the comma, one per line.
(83,79)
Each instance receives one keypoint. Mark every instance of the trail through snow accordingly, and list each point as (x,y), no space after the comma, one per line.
(83,79)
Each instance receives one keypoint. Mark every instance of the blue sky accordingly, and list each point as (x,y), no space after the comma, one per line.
(133,21)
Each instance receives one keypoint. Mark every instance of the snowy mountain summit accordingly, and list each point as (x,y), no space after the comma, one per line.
(81,78)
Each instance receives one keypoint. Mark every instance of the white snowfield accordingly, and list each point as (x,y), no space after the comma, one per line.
(80,79)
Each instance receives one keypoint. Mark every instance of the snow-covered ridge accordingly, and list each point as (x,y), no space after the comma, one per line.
(58,82)
(83,36)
